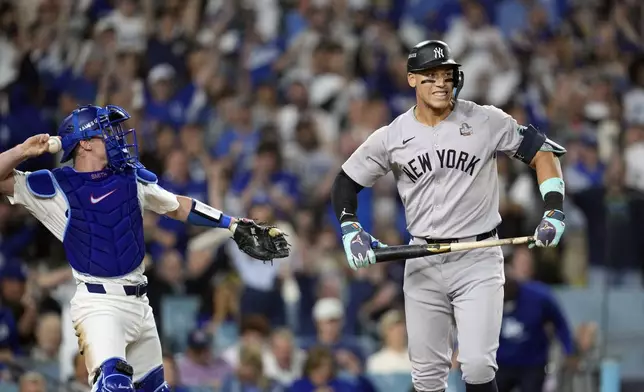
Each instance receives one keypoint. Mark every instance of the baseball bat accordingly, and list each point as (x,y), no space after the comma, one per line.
(405,252)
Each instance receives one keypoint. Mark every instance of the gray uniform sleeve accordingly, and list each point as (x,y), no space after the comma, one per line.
(505,131)
(370,161)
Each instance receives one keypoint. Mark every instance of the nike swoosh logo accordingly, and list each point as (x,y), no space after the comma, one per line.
(408,140)
(95,200)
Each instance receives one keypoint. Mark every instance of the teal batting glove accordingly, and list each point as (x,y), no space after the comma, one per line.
(550,230)
(359,245)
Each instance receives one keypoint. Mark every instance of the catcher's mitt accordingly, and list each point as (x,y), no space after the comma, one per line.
(262,242)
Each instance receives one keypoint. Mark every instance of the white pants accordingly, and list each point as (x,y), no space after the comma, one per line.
(115,326)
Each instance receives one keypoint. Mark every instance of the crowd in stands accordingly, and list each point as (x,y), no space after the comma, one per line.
(252,106)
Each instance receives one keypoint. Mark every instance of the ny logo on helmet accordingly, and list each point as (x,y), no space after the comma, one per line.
(438,53)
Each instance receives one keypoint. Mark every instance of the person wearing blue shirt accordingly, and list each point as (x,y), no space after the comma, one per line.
(169,45)
(268,179)
(530,310)
(320,373)
(161,104)
(9,338)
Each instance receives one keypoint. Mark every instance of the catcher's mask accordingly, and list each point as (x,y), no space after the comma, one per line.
(431,54)
(92,121)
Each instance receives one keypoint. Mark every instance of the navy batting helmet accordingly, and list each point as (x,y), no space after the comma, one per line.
(432,54)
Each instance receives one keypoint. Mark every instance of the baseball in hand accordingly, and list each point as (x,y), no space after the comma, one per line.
(55,144)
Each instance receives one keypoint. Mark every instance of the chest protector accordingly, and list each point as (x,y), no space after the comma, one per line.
(104,236)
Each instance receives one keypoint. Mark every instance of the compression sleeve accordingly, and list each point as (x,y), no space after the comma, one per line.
(344,197)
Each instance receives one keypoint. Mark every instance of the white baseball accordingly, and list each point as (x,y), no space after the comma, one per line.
(55,144)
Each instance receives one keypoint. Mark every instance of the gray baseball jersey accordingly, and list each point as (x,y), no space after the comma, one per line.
(446,175)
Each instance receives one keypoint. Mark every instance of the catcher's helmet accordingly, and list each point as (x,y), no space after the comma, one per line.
(431,54)
(91,121)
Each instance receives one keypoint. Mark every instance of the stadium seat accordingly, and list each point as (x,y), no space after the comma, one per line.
(620,312)
(226,336)
(391,382)
(455,382)
(8,387)
(203,388)
(179,317)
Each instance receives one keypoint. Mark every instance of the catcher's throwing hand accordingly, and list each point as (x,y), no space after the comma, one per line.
(359,245)
(262,242)
(35,145)
(550,230)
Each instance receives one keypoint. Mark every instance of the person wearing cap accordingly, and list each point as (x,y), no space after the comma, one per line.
(197,366)
(393,357)
(328,314)
(160,104)
(588,171)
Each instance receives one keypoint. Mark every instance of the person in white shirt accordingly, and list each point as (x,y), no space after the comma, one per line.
(393,357)
(285,361)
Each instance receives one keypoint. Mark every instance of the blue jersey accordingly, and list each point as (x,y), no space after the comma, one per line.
(524,340)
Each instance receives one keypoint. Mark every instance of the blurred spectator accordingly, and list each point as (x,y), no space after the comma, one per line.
(197,366)
(285,362)
(269,180)
(160,106)
(530,316)
(588,171)
(79,381)
(634,157)
(9,338)
(518,196)
(250,374)
(32,382)
(238,141)
(486,59)
(634,97)
(253,332)
(171,374)
(328,314)
(130,25)
(321,374)
(261,290)
(165,278)
(48,338)
(315,167)
(615,257)
(14,295)
(393,357)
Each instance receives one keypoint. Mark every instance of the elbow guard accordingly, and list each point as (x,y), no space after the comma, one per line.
(534,141)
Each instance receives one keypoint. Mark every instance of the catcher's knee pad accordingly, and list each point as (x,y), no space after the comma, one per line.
(114,375)
(153,381)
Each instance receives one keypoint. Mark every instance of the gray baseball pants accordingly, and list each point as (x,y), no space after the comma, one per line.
(455,293)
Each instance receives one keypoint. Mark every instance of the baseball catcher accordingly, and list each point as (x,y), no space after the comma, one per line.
(96,209)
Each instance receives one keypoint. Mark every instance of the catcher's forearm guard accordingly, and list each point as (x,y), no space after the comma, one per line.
(204,215)
(262,242)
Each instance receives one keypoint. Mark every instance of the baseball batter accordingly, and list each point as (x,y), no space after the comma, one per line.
(96,210)
(442,154)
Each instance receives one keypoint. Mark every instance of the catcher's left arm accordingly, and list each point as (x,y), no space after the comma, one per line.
(262,242)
